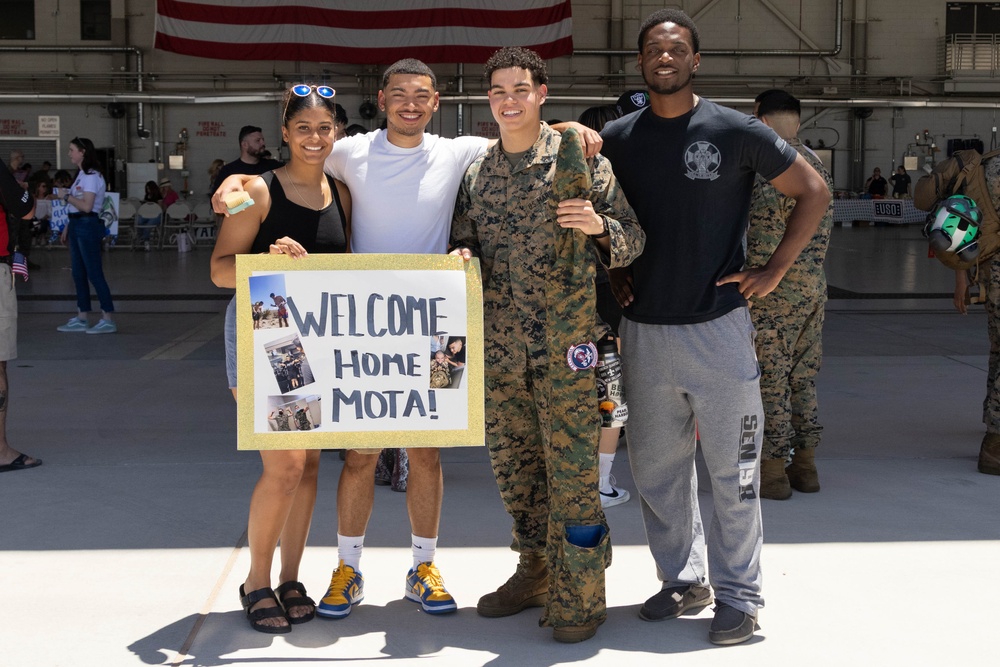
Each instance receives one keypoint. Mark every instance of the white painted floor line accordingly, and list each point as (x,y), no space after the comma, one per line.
(187,343)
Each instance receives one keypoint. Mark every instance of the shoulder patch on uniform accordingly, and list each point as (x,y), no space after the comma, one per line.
(582,357)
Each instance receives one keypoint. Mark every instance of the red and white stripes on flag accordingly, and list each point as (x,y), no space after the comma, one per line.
(362,31)
(19,266)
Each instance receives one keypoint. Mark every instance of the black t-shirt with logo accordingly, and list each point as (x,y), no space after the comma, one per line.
(689,181)
(900,183)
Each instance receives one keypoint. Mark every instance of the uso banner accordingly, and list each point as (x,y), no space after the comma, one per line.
(359,351)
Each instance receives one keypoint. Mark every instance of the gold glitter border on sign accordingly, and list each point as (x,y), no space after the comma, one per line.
(247,439)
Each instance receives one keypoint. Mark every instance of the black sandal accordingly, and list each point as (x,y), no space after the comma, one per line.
(297,601)
(250,599)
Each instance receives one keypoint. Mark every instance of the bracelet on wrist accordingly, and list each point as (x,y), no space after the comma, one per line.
(603,233)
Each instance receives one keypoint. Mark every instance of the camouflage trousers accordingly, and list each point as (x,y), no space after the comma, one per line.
(991,404)
(543,449)
(790,351)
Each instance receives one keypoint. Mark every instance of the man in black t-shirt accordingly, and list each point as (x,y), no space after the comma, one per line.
(876,186)
(251,160)
(688,167)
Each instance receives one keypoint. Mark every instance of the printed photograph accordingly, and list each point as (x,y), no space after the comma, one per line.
(268,301)
(447,364)
(298,414)
(289,364)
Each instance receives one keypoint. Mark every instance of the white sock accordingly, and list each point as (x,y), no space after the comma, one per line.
(606,460)
(349,549)
(424,549)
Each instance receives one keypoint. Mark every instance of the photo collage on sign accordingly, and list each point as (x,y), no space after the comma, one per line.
(340,351)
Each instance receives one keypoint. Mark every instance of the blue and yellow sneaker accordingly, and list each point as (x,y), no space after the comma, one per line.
(425,585)
(347,588)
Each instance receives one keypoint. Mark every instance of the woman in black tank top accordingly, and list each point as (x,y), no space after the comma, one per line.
(298,210)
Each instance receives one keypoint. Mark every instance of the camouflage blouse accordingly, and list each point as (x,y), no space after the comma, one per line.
(769,211)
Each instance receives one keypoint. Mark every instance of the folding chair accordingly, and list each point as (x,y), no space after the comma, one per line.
(177,221)
(126,223)
(203,226)
(148,226)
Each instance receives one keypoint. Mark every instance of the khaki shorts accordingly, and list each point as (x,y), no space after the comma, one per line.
(8,315)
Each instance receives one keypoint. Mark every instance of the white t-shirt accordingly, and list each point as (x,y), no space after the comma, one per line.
(402,198)
(92,182)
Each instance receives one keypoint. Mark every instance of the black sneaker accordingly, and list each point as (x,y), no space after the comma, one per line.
(731,626)
(674,601)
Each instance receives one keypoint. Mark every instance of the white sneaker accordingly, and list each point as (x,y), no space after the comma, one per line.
(615,497)
(74,324)
(103,327)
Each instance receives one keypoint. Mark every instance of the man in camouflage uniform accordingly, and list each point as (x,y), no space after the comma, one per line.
(281,419)
(989,451)
(538,293)
(789,320)
(302,418)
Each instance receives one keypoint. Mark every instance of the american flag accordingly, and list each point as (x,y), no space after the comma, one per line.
(19,265)
(362,31)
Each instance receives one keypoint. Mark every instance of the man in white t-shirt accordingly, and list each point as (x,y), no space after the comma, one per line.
(403,184)
(402,169)
(399,169)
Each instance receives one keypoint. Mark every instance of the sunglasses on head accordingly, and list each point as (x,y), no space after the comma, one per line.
(303,90)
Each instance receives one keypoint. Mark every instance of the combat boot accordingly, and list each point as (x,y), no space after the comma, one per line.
(576,633)
(773,480)
(802,473)
(528,587)
(989,455)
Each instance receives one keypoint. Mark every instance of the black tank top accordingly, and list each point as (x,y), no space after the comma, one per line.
(318,231)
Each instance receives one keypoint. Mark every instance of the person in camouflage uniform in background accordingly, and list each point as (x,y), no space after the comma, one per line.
(538,292)
(789,320)
(989,451)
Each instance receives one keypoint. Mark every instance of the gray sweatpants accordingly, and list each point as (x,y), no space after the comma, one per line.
(677,377)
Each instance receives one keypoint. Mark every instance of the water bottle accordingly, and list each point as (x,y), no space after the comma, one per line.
(610,389)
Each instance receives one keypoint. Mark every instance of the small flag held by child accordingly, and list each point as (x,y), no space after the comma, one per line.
(19,266)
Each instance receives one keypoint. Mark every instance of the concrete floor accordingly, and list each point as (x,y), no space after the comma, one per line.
(128,545)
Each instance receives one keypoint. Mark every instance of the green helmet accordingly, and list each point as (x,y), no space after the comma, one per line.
(954,227)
